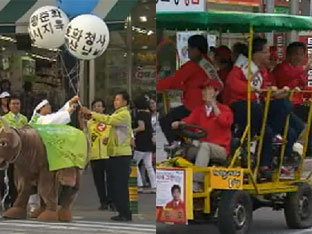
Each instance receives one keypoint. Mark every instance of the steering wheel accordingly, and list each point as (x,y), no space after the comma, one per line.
(192,131)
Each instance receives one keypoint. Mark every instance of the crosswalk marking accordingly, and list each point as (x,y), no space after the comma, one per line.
(82,226)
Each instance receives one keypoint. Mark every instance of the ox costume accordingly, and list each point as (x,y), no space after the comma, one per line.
(44,125)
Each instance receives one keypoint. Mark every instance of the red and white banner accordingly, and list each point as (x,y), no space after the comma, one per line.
(180,5)
(238,2)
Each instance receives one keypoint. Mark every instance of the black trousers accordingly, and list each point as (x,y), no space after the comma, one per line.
(174,114)
(10,199)
(118,171)
(302,111)
(100,176)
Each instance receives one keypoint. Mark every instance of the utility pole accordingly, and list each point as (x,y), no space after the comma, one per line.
(294,10)
(269,8)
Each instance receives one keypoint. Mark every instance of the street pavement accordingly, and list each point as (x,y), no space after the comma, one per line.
(265,221)
(88,219)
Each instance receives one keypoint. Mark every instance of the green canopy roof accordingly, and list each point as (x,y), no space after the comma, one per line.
(232,21)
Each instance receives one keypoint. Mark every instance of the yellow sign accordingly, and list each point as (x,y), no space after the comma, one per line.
(223,178)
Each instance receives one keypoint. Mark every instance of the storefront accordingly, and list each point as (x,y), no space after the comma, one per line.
(127,63)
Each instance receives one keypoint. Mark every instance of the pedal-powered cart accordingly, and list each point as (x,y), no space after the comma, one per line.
(232,189)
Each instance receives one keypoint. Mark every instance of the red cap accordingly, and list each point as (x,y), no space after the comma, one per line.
(212,83)
(223,52)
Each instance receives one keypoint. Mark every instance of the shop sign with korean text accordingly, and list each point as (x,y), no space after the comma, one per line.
(180,5)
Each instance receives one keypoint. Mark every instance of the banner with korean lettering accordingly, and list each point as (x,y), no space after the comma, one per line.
(180,5)
(307,40)
(280,45)
(237,2)
(174,203)
(47,27)
(182,44)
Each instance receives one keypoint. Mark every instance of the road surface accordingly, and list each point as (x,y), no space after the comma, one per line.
(88,219)
(265,221)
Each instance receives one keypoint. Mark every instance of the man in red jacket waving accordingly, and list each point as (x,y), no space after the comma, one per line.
(188,78)
(216,119)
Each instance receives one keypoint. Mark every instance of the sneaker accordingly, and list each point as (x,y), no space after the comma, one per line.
(285,171)
(140,189)
(150,190)
(278,140)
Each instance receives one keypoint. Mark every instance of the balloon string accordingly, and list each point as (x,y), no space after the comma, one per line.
(68,74)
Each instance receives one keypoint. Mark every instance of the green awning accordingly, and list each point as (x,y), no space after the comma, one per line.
(15,14)
(232,21)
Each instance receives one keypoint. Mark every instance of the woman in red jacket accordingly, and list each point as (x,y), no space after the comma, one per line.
(216,119)
(188,78)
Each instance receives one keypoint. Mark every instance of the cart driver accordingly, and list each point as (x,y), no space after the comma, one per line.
(216,119)
(188,78)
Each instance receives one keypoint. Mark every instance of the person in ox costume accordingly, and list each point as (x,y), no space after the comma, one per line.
(43,115)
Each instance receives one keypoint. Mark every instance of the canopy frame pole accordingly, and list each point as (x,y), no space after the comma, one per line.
(251,176)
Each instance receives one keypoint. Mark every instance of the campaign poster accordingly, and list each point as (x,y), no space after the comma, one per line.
(171,196)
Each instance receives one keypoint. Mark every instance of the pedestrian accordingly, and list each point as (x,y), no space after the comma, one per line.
(155,114)
(17,120)
(99,133)
(188,78)
(144,142)
(4,98)
(119,151)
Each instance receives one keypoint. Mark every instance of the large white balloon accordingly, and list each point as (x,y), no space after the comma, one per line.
(47,27)
(87,37)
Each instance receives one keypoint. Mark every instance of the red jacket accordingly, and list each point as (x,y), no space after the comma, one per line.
(223,74)
(286,74)
(236,85)
(175,205)
(218,128)
(188,78)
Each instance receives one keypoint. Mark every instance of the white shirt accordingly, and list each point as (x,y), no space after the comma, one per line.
(60,117)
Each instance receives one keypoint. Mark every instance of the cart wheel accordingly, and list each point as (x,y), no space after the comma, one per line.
(298,207)
(235,212)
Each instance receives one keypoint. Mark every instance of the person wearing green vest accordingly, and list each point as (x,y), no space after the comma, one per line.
(14,117)
(119,150)
(17,120)
(99,133)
